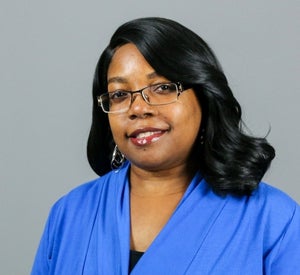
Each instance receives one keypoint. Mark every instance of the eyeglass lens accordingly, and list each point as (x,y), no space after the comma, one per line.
(120,101)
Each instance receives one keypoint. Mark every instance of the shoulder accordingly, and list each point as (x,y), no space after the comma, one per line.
(274,200)
(86,196)
(269,213)
(75,202)
(271,204)
(276,212)
(280,221)
(268,209)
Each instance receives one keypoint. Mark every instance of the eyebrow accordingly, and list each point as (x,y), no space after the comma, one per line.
(152,75)
(119,79)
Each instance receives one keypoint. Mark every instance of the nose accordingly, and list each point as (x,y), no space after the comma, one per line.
(141,93)
(139,107)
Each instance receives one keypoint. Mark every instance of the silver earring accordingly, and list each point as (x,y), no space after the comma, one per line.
(117,159)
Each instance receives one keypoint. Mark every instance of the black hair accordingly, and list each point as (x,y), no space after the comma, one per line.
(230,160)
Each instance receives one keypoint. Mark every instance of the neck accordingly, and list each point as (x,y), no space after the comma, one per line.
(160,183)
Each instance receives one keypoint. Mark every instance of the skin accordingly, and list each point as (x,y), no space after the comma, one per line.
(157,140)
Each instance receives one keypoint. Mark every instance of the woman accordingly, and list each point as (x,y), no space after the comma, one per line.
(184,194)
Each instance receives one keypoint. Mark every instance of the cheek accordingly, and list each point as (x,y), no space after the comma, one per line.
(116,127)
(190,114)
(185,122)
(194,111)
(191,117)
(196,115)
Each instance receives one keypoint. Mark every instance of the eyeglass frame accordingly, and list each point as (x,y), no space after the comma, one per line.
(179,87)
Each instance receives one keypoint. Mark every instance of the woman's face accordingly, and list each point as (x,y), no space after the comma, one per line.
(151,137)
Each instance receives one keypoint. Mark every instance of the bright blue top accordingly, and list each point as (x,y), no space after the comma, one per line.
(88,232)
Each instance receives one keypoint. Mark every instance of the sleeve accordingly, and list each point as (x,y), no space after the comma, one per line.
(285,256)
(43,257)
(41,261)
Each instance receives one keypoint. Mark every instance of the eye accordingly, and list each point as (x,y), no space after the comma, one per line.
(165,88)
(118,95)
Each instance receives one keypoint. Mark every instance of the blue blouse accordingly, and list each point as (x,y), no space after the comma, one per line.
(88,232)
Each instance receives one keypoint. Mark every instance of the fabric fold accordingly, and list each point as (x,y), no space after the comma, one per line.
(88,232)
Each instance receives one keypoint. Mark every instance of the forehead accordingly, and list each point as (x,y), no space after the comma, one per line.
(128,60)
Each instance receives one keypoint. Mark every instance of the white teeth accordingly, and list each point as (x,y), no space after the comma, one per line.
(146,134)
(144,141)
(155,139)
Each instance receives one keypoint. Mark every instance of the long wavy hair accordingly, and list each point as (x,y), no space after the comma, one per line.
(230,160)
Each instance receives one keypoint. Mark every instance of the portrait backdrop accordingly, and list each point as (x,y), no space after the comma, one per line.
(49,50)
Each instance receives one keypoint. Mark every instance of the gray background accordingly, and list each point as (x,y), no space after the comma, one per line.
(49,50)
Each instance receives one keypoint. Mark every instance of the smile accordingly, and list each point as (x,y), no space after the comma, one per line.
(145,138)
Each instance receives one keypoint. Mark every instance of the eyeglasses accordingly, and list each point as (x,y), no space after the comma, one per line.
(119,101)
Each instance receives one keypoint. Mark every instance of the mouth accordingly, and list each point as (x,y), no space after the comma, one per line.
(145,137)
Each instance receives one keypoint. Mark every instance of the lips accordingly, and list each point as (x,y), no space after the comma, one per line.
(146,136)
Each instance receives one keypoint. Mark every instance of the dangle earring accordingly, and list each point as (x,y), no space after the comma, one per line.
(202,133)
(117,159)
